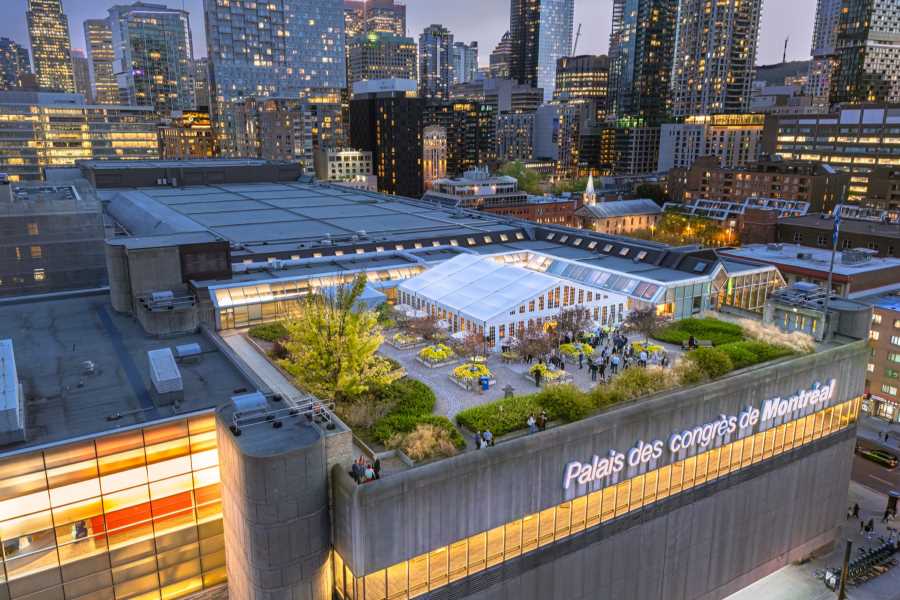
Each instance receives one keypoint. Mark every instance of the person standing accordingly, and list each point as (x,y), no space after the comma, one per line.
(478,440)
(377,468)
(602,368)
(593,368)
(855,510)
(532,423)
(537,378)
(580,360)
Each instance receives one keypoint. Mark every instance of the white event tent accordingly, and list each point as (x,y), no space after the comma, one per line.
(489,297)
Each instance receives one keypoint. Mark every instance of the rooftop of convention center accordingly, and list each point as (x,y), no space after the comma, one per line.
(85,369)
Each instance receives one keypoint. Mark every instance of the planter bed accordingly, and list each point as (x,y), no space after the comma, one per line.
(471,385)
(435,365)
(398,346)
(566,378)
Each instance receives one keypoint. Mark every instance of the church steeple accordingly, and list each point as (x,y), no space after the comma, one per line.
(590,196)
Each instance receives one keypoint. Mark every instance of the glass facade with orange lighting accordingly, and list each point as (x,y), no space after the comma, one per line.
(436,569)
(133,514)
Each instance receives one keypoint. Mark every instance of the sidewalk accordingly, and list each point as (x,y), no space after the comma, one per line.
(798,582)
(872,430)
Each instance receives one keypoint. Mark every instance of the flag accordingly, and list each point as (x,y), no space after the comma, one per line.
(837,225)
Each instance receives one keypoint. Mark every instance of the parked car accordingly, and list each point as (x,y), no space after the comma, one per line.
(882,457)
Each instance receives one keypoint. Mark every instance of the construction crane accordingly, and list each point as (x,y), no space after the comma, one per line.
(784,56)
(577,37)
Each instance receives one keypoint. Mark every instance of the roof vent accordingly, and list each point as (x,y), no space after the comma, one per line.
(856,256)
(804,255)
(774,247)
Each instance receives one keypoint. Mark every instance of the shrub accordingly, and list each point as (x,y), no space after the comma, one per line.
(634,383)
(502,416)
(471,371)
(565,401)
(572,350)
(279,352)
(746,353)
(437,353)
(712,362)
(425,441)
(269,332)
(717,332)
(410,401)
(385,314)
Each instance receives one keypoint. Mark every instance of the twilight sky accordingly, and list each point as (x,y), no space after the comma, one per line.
(481,20)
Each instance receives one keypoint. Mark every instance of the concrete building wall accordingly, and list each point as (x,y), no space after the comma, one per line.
(275,510)
(399,517)
(706,548)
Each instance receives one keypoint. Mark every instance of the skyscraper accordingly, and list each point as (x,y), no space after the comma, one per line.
(82,75)
(153,54)
(640,59)
(363,16)
(464,59)
(824,48)
(13,63)
(584,79)
(284,49)
(541,33)
(386,120)
(868,52)
(201,82)
(435,63)
(434,154)
(501,58)
(48,29)
(381,55)
(98,39)
(715,54)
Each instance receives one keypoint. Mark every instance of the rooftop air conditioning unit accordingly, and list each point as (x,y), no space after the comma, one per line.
(774,247)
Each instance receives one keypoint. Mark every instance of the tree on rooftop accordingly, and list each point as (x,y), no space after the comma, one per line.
(644,321)
(424,327)
(471,346)
(573,320)
(332,346)
(536,343)
(653,191)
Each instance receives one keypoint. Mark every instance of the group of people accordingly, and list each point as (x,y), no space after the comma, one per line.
(363,471)
(483,439)
(867,528)
(538,423)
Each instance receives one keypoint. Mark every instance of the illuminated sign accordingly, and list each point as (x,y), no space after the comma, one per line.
(700,436)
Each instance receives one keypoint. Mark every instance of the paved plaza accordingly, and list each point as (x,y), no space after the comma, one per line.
(451,398)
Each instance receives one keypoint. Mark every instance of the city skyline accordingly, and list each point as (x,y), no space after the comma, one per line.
(795,20)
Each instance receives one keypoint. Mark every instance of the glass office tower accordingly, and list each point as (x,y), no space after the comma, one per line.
(153,56)
(48,29)
(541,33)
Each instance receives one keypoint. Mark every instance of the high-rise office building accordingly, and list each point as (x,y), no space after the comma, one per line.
(515,136)
(541,33)
(435,63)
(464,58)
(48,29)
(434,154)
(201,82)
(584,79)
(153,53)
(82,74)
(363,16)
(266,49)
(13,63)
(386,120)
(868,52)
(715,54)
(824,49)
(641,51)
(44,129)
(98,39)
(381,55)
(501,58)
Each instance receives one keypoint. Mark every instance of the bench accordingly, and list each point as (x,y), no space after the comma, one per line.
(699,344)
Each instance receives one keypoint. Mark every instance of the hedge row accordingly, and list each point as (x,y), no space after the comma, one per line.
(717,332)
(412,403)
(269,332)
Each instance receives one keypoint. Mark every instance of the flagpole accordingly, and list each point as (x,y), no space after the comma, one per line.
(834,242)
